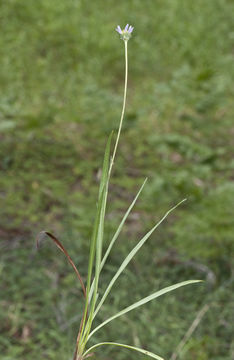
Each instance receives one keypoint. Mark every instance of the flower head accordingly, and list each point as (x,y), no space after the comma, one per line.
(126,32)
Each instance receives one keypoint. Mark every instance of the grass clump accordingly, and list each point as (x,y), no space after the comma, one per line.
(96,258)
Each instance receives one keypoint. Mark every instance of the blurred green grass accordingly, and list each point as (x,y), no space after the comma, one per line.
(61,72)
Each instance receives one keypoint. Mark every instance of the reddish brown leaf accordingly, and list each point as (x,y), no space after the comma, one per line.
(41,236)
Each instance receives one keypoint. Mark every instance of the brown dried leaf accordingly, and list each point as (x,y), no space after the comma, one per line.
(41,237)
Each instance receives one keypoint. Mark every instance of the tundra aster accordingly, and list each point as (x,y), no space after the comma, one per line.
(126,32)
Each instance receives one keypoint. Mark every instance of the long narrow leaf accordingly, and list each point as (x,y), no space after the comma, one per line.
(85,323)
(99,231)
(117,233)
(104,176)
(145,352)
(130,256)
(144,301)
(121,225)
(103,189)
(42,234)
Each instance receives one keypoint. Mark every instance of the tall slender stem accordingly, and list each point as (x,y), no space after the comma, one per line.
(84,332)
(123,108)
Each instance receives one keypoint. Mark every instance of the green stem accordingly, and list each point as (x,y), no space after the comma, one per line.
(120,127)
(86,327)
(124,105)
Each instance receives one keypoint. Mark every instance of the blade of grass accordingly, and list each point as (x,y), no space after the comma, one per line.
(121,225)
(130,256)
(42,234)
(100,230)
(145,352)
(97,240)
(90,267)
(144,301)
(117,233)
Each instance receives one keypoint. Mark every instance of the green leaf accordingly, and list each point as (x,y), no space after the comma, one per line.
(145,352)
(103,192)
(117,233)
(130,256)
(98,225)
(144,301)
(121,225)
(97,239)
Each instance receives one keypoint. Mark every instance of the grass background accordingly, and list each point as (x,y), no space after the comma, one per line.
(61,75)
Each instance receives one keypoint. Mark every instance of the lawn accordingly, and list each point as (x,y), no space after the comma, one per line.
(61,76)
